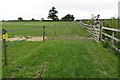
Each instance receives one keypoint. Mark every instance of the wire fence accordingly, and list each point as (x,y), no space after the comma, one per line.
(40,34)
(21,29)
(28,38)
(5,36)
(24,29)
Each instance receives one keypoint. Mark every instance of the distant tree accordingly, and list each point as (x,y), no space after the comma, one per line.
(68,17)
(33,19)
(20,19)
(52,14)
(97,17)
(42,19)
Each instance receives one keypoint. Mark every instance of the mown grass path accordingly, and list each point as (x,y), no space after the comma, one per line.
(70,54)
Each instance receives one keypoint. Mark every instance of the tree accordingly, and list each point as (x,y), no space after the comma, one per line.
(20,19)
(97,17)
(52,14)
(33,19)
(42,19)
(68,17)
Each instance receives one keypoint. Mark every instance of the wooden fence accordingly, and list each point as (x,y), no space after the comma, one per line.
(97,32)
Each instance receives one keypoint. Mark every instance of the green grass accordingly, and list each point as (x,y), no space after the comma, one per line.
(59,27)
(63,56)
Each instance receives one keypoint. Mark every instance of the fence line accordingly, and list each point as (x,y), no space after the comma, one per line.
(24,40)
(112,37)
(24,29)
(111,29)
(30,29)
(5,36)
(97,33)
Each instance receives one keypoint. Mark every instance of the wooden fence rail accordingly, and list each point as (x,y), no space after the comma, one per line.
(111,29)
(97,33)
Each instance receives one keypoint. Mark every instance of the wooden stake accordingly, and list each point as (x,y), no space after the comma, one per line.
(113,33)
(43,33)
(100,33)
(4,47)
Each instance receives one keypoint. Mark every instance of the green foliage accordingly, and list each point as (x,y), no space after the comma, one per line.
(68,17)
(107,43)
(88,21)
(111,23)
(20,19)
(52,14)
(33,19)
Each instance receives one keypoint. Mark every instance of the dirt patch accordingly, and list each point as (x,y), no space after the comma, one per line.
(74,37)
(35,39)
(83,37)
(40,38)
(29,38)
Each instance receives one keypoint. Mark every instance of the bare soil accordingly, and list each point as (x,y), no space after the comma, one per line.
(29,38)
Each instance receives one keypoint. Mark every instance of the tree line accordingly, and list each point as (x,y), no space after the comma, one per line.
(52,14)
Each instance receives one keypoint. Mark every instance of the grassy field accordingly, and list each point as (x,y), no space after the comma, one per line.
(67,55)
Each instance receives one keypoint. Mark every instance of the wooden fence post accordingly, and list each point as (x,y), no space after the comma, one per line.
(113,34)
(43,33)
(4,46)
(100,32)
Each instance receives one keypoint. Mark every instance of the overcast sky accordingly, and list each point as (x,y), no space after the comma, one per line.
(37,9)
